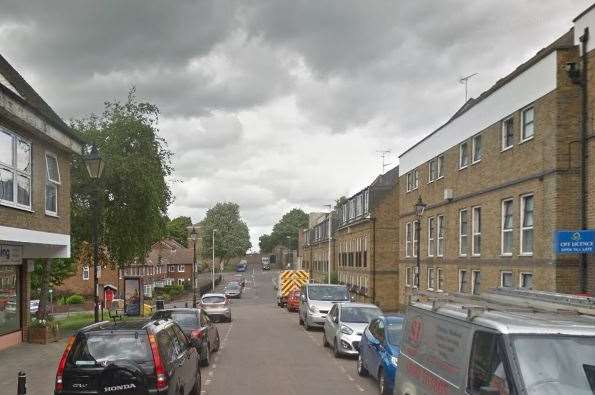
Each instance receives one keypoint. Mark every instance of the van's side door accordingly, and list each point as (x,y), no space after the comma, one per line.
(488,365)
(186,361)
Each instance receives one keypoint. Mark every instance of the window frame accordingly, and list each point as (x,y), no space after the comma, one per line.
(474,231)
(440,220)
(16,173)
(408,239)
(504,135)
(524,124)
(431,237)
(510,230)
(521,274)
(439,279)
(461,271)
(431,279)
(474,275)
(415,238)
(88,270)
(502,273)
(466,150)
(523,228)
(474,159)
(51,183)
(408,278)
(461,235)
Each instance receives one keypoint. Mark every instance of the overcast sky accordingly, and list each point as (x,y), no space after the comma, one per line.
(276,104)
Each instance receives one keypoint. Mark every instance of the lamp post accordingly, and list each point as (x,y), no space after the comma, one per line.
(193,236)
(213,265)
(288,248)
(94,164)
(420,206)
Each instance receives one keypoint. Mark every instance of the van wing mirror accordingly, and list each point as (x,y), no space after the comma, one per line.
(489,391)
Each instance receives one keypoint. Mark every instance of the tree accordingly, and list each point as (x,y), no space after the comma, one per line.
(265,243)
(341,201)
(289,225)
(177,229)
(59,270)
(232,237)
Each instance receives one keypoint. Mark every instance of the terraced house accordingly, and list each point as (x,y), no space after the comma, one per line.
(500,177)
(315,249)
(366,242)
(36,148)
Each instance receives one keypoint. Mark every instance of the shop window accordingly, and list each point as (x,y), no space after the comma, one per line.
(10,299)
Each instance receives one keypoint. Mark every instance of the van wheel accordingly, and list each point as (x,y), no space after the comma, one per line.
(361,369)
(382,382)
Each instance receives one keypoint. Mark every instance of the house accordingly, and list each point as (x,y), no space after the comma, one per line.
(317,248)
(36,148)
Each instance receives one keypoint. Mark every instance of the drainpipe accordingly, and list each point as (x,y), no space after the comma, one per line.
(373,260)
(584,119)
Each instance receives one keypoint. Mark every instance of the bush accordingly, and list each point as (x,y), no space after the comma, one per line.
(75,299)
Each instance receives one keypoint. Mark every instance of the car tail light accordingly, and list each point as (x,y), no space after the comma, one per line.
(60,373)
(197,333)
(159,368)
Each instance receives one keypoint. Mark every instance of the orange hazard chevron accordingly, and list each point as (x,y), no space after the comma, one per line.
(293,279)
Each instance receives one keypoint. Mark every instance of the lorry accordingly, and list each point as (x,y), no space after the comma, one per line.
(505,341)
(266,263)
(290,280)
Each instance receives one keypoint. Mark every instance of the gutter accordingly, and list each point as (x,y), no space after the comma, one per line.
(373,260)
(583,172)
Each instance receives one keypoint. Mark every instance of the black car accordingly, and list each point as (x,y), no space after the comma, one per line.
(197,326)
(132,358)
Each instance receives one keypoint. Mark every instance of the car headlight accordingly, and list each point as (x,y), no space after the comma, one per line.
(346,330)
(395,360)
(312,309)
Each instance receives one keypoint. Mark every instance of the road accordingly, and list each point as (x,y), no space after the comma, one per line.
(265,351)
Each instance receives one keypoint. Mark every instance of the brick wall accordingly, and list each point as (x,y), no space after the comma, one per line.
(75,284)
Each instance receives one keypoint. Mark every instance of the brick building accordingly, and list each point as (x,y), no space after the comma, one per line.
(36,148)
(499,178)
(316,249)
(366,242)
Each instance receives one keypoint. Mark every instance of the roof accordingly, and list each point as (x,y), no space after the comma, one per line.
(353,304)
(579,16)
(213,294)
(31,98)
(563,42)
(117,325)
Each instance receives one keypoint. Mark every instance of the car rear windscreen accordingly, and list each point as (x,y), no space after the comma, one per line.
(183,318)
(213,299)
(91,349)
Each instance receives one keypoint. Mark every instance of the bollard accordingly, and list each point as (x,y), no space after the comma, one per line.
(22,384)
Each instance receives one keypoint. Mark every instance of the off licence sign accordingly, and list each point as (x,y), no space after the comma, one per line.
(574,241)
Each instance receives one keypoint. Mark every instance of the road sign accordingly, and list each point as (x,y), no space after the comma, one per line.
(574,241)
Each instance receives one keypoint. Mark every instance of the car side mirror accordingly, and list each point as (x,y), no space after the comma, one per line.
(336,320)
(489,391)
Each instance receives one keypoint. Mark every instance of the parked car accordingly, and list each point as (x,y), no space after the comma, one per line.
(132,357)
(216,306)
(316,300)
(197,326)
(293,300)
(379,351)
(241,267)
(233,289)
(345,324)
(240,279)
(504,341)
(11,305)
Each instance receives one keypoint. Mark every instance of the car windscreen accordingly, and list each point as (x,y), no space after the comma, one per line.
(328,293)
(360,315)
(183,318)
(556,364)
(213,299)
(393,331)
(101,348)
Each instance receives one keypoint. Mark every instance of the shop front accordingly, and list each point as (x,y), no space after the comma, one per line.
(12,299)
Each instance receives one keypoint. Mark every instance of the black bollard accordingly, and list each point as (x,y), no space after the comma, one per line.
(22,384)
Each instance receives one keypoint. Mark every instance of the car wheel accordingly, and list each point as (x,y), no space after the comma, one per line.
(307,324)
(206,358)
(336,351)
(196,390)
(382,382)
(361,368)
(218,343)
(324,341)
(300,320)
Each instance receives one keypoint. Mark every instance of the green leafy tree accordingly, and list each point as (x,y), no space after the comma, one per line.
(177,229)
(265,243)
(232,237)
(59,270)
(289,226)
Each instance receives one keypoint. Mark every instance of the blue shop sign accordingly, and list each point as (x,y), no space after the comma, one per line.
(574,241)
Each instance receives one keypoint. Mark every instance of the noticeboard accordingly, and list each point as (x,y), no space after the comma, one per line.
(574,241)
(132,296)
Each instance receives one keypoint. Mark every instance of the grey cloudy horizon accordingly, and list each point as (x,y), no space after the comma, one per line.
(276,104)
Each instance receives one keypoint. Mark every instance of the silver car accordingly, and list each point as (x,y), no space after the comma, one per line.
(216,306)
(316,300)
(345,324)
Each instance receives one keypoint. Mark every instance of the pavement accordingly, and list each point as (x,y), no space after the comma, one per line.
(263,352)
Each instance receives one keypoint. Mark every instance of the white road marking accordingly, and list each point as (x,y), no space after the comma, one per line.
(350,378)
(359,388)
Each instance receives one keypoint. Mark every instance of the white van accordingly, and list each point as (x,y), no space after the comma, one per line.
(506,341)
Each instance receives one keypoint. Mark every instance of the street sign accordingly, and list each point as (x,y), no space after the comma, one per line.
(574,241)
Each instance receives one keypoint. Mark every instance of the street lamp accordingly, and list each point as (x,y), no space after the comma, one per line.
(288,248)
(193,236)
(94,164)
(213,265)
(420,206)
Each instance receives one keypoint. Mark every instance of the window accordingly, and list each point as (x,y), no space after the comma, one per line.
(431,278)
(507,227)
(85,272)
(408,238)
(180,281)
(477,148)
(440,238)
(366,251)
(171,268)
(463,281)
(463,232)
(526,280)
(476,241)
(487,367)
(463,155)
(51,184)
(507,134)
(506,279)
(415,225)
(528,123)
(180,268)
(412,180)
(10,290)
(408,276)
(440,280)
(431,236)
(435,168)
(15,170)
(476,282)
(527,225)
